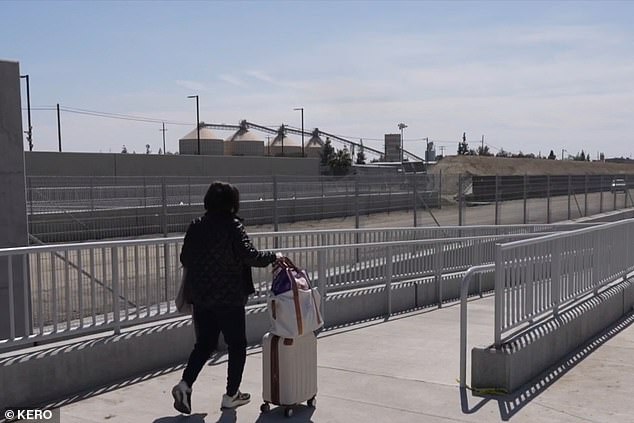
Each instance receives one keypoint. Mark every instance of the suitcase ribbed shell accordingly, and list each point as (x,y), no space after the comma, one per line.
(289,369)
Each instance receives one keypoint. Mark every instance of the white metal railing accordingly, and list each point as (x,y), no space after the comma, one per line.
(75,289)
(538,276)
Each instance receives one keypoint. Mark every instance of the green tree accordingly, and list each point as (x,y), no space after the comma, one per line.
(463,147)
(552,156)
(327,151)
(340,162)
(484,151)
(124,150)
(361,155)
(502,153)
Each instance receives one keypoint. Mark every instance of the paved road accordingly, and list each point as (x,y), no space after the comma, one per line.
(403,370)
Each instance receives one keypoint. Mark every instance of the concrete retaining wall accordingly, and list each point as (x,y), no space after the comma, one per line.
(48,163)
(74,367)
(546,344)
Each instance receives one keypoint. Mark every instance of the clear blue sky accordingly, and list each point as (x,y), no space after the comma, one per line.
(529,76)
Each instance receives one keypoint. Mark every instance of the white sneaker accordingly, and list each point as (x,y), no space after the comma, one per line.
(235,401)
(182,394)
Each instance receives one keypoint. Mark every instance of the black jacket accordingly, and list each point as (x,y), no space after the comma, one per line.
(218,256)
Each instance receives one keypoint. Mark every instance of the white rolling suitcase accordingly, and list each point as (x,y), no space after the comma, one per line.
(289,371)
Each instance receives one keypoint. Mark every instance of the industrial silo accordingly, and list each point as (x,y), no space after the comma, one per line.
(283,145)
(210,143)
(315,145)
(244,143)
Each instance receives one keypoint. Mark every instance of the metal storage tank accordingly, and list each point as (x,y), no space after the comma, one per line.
(314,145)
(283,145)
(210,143)
(243,143)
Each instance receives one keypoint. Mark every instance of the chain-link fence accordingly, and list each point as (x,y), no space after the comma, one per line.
(64,209)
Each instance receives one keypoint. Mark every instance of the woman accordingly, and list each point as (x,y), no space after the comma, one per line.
(218,255)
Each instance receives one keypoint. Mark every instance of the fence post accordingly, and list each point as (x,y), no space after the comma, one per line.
(164,206)
(356,201)
(388,280)
(189,190)
(322,280)
(275,217)
(613,193)
(440,189)
(323,195)
(497,199)
(525,220)
(115,290)
(460,211)
(601,196)
(415,201)
(585,195)
(569,189)
(548,199)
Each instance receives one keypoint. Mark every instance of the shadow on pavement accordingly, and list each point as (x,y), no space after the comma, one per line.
(511,404)
(301,414)
(193,418)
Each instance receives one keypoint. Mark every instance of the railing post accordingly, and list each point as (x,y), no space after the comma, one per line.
(555,287)
(168,273)
(499,295)
(322,279)
(115,290)
(438,265)
(388,280)
(11,298)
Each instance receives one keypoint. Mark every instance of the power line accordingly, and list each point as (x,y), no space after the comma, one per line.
(110,115)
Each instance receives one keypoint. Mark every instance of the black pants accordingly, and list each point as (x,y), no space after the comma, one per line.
(208,323)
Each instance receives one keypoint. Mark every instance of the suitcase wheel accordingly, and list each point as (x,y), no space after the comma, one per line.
(288,412)
(312,402)
(265,407)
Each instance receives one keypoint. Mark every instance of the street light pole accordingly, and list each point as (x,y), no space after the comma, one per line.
(29,133)
(402,126)
(426,153)
(302,109)
(163,130)
(197,121)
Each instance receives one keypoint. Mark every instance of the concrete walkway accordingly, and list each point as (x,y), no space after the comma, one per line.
(401,370)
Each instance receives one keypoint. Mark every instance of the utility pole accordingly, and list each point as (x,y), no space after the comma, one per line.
(29,133)
(442,150)
(302,110)
(59,129)
(163,130)
(482,144)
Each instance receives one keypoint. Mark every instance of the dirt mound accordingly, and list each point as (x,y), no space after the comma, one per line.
(481,165)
